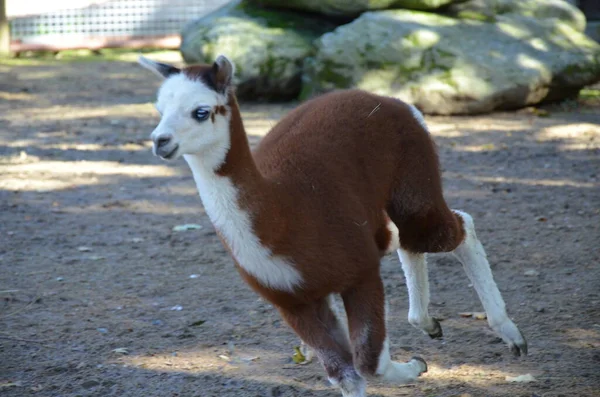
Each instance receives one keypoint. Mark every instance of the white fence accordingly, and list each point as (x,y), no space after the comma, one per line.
(116,23)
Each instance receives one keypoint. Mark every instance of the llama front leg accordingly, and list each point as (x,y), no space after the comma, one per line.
(338,311)
(472,255)
(366,318)
(319,328)
(414,267)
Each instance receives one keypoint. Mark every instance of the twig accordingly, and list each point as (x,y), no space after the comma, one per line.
(24,308)
(374,110)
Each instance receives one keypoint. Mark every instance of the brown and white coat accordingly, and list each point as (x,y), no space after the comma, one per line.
(335,185)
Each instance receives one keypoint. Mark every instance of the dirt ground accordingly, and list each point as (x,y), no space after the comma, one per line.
(100,297)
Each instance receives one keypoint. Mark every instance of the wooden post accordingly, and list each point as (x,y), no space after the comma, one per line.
(4,31)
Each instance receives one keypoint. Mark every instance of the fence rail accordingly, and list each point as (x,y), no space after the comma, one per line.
(116,23)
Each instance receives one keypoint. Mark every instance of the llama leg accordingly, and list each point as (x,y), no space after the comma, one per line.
(320,329)
(414,267)
(366,318)
(308,352)
(472,255)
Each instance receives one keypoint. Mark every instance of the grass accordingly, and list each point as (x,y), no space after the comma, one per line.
(35,58)
(589,93)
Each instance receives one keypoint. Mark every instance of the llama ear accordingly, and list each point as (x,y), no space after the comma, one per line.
(160,69)
(222,71)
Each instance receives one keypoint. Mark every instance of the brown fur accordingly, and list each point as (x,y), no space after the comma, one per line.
(318,187)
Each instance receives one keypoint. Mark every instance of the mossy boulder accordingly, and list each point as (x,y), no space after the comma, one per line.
(451,66)
(267,47)
(352,8)
(488,10)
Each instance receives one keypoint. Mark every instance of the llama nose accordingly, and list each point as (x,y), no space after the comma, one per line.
(162,141)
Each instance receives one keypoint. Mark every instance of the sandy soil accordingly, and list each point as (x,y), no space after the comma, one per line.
(100,297)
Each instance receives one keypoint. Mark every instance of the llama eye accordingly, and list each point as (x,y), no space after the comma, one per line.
(200,114)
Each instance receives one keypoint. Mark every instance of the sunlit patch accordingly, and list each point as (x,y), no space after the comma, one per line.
(56,175)
(16,96)
(574,136)
(474,375)
(580,338)
(559,182)
(70,112)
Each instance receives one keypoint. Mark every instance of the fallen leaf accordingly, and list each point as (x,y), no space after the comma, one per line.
(197,323)
(37,388)
(466,314)
(10,384)
(95,257)
(298,357)
(542,219)
(224,357)
(480,315)
(521,378)
(187,226)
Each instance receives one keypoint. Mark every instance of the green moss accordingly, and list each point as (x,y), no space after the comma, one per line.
(329,72)
(589,93)
(309,26)
(446,78)
(476,16)
(36,58)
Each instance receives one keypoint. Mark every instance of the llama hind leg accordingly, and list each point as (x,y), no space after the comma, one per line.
(414,267)
(474,260)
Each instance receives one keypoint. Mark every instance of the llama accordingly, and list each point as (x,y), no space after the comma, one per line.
(339,182)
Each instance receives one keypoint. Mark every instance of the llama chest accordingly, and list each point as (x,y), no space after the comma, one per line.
(234,225)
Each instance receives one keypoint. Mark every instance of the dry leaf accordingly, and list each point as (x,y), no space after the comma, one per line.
(10,384)
(187,226)
(466,314)
(521,378)
(480,315)
(298,357)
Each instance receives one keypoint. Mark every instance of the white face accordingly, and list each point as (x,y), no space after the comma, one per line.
(192,121)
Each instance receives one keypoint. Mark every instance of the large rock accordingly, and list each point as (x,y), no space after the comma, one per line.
(488,10)
(267,47)
(352,8)
(450,66)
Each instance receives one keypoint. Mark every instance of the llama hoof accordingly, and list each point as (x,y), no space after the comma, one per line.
(511,335)
(422,364)
(437,332)
(519,348)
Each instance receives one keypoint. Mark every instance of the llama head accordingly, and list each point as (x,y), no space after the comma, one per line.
(194,106)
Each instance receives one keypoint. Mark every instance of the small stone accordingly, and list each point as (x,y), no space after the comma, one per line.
(88,384)
(102,330)
(531,273)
